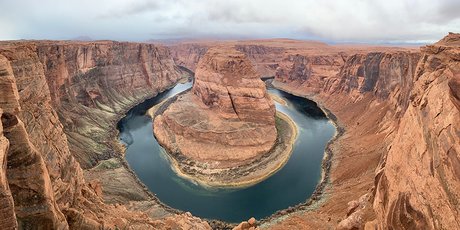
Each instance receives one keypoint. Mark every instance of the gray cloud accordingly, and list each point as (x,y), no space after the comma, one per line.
(134,8)
(354,20)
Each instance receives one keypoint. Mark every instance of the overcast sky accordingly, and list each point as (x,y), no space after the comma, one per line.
(331,21)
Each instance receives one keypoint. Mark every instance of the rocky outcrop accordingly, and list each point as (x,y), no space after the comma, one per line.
(399,109)
(227,83)
(27,175)
(92,84)
(251,224)
(7,215)
(418,181)
(227,118)
(46,181)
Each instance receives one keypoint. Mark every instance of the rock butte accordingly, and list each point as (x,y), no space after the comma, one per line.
(226,120)
(396,165)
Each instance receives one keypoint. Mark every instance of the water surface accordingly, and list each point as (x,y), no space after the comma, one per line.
(292,184)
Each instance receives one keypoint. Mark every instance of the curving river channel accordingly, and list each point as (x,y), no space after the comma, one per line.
(291,185)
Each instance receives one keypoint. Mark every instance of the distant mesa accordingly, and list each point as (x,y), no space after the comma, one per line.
(82,38)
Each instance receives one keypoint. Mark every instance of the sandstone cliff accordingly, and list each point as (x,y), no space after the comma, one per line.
(227,83)
(92,84)
(44,187)
(400,115)
(39,137)
(396,164)
(394,167)
(227,118)
(418,181)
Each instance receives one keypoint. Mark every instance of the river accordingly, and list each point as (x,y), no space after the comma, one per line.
(292,184)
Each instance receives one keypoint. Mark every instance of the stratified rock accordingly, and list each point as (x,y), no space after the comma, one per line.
(399,110)
(418,182)
(27,175)
(34,201)
(252,221)
(401,126)
(47,184)
(7,215)
(227,83)
(92,84)
(227,119)
(8,94)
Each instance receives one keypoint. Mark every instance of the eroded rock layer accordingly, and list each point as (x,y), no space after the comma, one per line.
(92,84)
(396,164)
(400,114)
(394,167)
(418,181)
(41,83)
(228,117)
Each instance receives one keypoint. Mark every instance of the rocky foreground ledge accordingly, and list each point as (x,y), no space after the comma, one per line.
(224,132)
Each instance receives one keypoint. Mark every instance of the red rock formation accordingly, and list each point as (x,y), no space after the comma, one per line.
(46,181)
(227,118)
(7,215)
(383,101)
(266,55)
(399,108)
(27,174)
(418,181)
(93,83)
(188,55)
(227,83)
(407,100)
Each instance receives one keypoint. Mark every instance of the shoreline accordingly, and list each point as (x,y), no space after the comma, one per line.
(121,149)
(269,166)
(278,99)
(317,195)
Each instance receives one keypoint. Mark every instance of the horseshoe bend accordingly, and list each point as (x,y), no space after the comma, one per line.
(226,123)
(227,133)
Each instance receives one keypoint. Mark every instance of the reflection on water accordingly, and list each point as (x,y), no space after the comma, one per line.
(291,185)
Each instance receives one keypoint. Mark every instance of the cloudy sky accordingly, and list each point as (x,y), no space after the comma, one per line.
(377,21)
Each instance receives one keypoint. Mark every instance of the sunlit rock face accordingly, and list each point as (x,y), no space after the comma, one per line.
(227,119)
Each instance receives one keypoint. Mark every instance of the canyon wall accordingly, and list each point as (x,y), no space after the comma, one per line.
(227,83)
(400,110)
(38,150)
(266,55)
(395,164)
(418,181)
(60,102)
(93,84)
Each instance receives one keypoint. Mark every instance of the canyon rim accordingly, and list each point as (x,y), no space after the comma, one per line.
(392,98)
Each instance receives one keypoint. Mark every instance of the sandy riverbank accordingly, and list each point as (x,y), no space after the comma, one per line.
(242,175)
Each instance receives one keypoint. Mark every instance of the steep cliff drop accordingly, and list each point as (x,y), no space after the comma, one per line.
(42,183)
(395,164)
(418,180)
(227,120)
